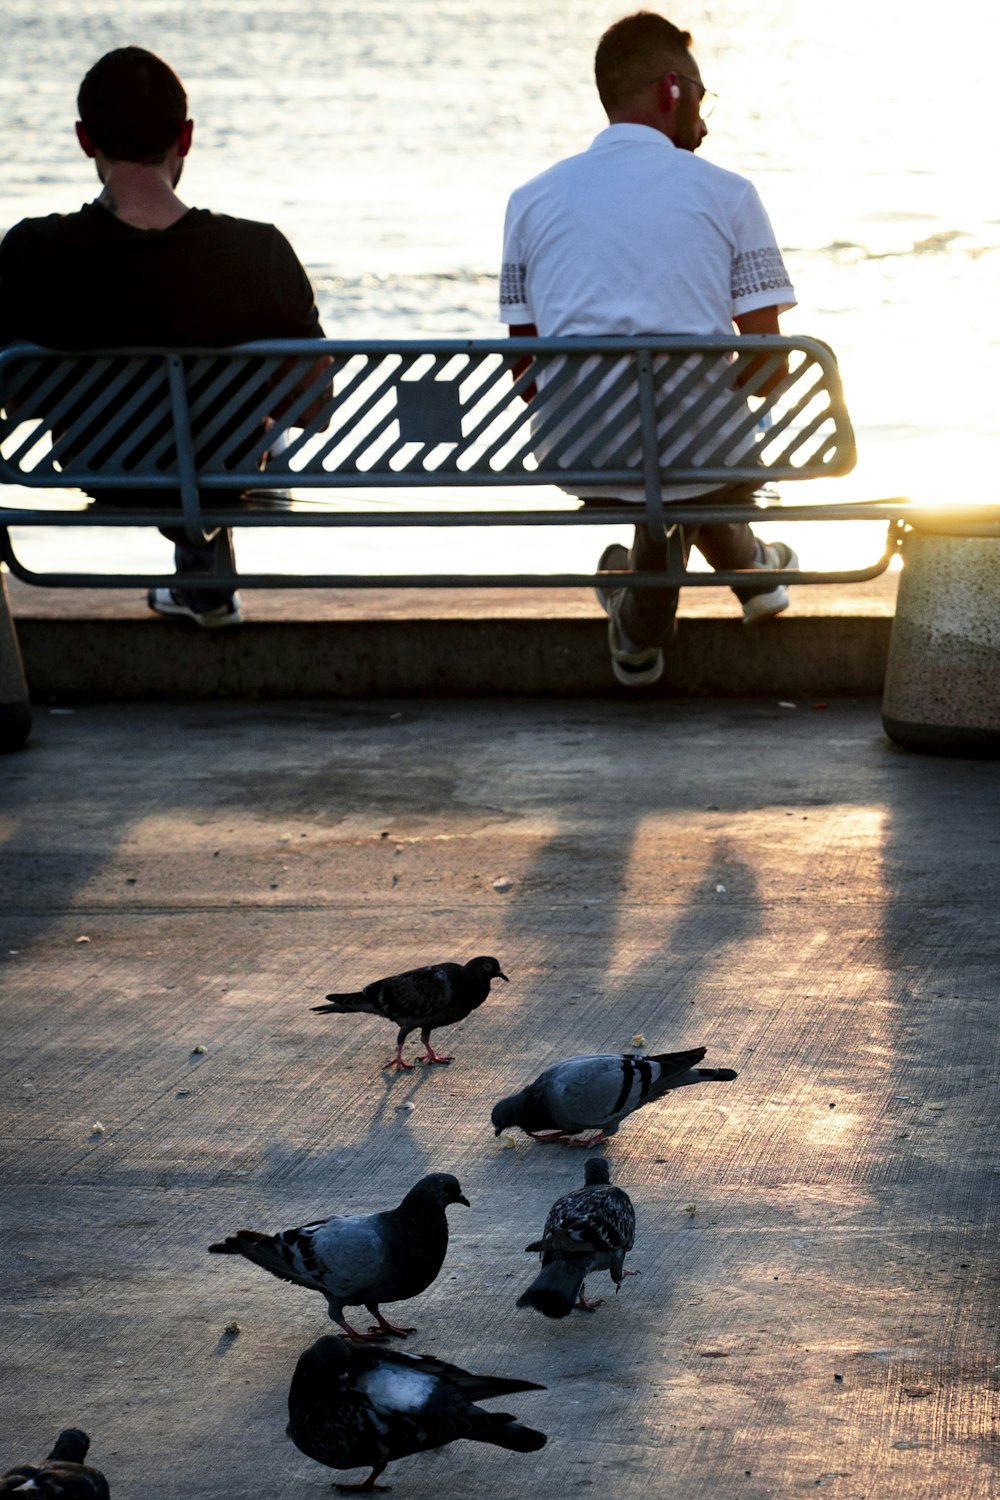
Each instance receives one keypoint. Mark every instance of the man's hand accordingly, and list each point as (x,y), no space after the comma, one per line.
(761,320)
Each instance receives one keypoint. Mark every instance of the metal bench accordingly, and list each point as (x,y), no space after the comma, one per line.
(427,419)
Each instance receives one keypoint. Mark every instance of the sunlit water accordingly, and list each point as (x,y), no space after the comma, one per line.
(384,139)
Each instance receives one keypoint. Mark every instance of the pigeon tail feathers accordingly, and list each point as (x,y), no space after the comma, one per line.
(350,1003)
(504,1431)
(240,1242)
(556,1289)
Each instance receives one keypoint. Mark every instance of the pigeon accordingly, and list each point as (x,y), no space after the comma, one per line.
(63,1474)
(597,1092)
(591,1229)
(361,1259)
(438,995)
(350,1407)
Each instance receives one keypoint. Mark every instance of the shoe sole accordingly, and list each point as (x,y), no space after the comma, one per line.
(762,607)
(204,622)
(635,668)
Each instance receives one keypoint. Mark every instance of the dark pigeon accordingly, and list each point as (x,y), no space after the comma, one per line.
(596,1093)
(351,1407)
(438,995)
(361,1259)
(591,1229)
(63,1474)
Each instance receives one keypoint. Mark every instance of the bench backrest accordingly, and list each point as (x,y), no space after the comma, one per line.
(425,413)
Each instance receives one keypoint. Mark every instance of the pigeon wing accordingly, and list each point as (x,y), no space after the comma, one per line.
(595,1092)
(349,1257)
(472,1387)
(596,1218)
(415,996)
(425,1407)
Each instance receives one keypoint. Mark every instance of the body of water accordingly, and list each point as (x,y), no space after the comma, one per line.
(385,138)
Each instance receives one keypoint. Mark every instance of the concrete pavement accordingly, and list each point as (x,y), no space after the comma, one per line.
(817,1240)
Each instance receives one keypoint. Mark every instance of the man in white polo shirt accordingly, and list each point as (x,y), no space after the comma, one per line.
(637,235)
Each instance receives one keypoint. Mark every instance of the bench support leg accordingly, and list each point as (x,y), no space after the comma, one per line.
(15,705)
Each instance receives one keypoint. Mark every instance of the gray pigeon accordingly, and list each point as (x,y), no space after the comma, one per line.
(597,1092)
(358,1259)
(591,1229)
(63,1474)
(438,995)
(351,1407)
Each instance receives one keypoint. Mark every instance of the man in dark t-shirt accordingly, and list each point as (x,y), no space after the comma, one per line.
(138,267)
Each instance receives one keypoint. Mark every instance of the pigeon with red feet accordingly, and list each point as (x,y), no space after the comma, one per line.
(598,1092)
(591,1229)
(361,1260)
(63,1474)
(436,995)
(351,1407)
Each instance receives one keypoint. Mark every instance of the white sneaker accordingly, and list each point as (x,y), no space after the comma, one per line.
(171,602)
(633,666)
(770,602)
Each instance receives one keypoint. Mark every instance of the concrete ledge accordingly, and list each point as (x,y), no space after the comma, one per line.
(104,644)
(114,659)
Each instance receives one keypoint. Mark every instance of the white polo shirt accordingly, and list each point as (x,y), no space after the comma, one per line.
(636,236)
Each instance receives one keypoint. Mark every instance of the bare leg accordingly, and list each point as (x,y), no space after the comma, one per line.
(586,1306)
(647,615)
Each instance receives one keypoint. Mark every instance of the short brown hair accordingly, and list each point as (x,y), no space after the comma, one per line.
(630,51)
(132,106)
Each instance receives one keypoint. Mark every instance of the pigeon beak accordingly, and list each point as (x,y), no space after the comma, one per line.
(502,975)
(462,1199)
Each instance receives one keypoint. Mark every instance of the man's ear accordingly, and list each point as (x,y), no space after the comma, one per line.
(184,139)
(86,144)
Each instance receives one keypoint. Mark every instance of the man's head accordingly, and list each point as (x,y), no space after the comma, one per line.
(646,75)
(132,108)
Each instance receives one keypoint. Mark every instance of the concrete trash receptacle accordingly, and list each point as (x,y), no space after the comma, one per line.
(942,684)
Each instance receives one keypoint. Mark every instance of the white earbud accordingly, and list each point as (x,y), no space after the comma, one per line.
(675,92)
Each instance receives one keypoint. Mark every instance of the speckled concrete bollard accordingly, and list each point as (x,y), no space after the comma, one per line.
(942,685)
(15,706)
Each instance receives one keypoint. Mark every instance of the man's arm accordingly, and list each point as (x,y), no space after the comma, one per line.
(760,320)
(293,294)
(316,406)
(524,331)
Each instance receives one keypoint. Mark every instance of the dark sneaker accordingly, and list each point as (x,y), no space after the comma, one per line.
(172,603)
(633,666)
(769,602)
